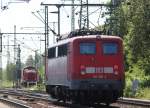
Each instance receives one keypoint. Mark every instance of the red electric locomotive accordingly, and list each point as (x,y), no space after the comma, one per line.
(86,68)
(29,76)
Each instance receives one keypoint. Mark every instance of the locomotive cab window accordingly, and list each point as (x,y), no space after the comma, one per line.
(51,52)
(110,48)
(88,48)
(62,50)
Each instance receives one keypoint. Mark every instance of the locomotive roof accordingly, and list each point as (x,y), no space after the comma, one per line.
(29,67)
(60,42)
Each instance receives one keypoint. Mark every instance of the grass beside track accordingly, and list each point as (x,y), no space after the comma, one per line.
(143,93)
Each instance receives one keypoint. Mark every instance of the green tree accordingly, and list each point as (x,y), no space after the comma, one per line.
(10,72)
(30,61)
(132,23)
(40,66)
(133,20)
(138,37)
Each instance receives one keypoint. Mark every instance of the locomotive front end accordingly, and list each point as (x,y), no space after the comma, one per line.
(98,74)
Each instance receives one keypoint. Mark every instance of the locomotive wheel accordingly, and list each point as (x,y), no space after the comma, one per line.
(61,93)
(83,98)
(107,104)
(80,98)
(52,92)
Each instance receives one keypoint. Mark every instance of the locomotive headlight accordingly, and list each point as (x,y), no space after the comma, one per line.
(116,67)
(116,72)
(82,70)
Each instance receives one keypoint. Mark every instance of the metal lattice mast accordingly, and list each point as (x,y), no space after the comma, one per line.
(84,17)
(18,66)
(8,53)
(72,17)
(46,39)
(1,78)
(14,43)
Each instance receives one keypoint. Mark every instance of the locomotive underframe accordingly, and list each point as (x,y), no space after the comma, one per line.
(91,91)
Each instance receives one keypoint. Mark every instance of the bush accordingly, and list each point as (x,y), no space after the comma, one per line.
(135,72)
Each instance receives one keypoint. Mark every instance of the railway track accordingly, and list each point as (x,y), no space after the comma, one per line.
(13,103)
(137,102)
(38,100)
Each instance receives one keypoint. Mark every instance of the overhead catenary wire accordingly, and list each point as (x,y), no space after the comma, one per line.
(22,42)
(40,15)
(100,5)
(92,24)
(66,11)
(25,45)
(43,21)
(34,42)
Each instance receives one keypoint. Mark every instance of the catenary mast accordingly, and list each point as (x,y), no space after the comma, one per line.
(84,17)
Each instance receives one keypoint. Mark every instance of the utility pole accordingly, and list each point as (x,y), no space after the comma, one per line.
(46,39)
(18,67)
(36,59)
(8,53)
(82,5)
(58,7)
(1,4)
(72,17)
(14,43)
(84,15)
(1,74)
(14,73)
(8,56)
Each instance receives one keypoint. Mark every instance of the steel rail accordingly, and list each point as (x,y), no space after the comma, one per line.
(127,101)
(42,97)
(23,33)
(133,101)
(14,103)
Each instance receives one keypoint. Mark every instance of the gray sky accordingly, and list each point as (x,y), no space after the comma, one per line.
(20,14)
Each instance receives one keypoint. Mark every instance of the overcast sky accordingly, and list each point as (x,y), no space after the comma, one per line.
(21,15)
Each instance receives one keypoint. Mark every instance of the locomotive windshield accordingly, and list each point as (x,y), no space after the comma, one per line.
(87,48)
(110,48)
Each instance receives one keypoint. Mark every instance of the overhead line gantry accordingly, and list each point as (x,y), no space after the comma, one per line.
(60,5)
